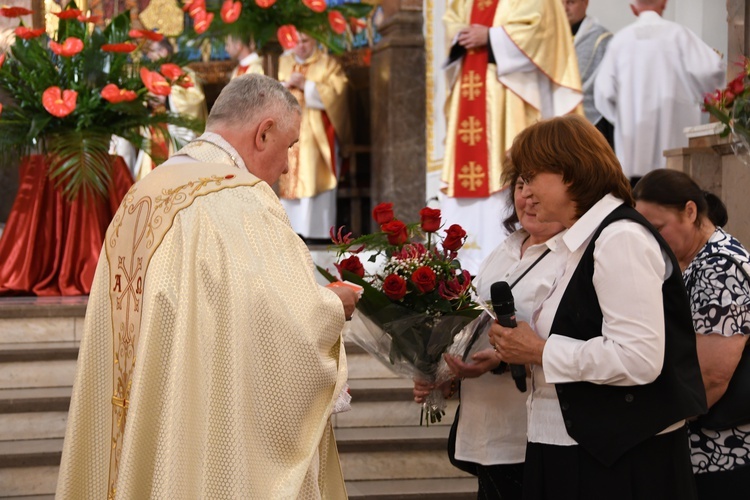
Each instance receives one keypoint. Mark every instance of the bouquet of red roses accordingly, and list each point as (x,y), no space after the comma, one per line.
(413,306)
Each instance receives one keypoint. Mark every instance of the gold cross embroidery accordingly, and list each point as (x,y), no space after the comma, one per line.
(471,85)
(483,4)
(470,131)
(133,285)
(471,176)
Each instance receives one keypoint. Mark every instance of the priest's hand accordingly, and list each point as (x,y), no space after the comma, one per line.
(474,37)
(518,346)
(348,298)
(482,362)
(296,80)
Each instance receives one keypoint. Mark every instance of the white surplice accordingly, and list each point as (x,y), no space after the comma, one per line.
(650,86)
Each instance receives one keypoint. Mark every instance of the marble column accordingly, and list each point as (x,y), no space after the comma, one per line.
(397,97)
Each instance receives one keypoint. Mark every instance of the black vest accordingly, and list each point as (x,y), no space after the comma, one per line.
(609,420)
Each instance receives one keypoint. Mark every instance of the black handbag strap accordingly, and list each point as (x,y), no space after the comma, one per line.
(477,331)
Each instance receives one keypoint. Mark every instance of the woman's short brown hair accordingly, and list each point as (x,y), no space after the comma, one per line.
(572,147)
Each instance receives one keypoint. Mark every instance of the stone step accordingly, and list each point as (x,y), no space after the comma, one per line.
(413,489)
(29,482)
(41,319)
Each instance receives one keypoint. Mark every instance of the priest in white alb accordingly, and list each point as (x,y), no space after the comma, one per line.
(211,360)
(651,84)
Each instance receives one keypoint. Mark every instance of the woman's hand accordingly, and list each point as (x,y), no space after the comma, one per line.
(422,389)
(518,346)
(483,361)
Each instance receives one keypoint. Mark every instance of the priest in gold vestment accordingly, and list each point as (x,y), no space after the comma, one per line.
(308,192)
(211,359)
(511,63)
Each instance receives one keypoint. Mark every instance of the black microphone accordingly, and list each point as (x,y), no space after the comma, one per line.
(505,310)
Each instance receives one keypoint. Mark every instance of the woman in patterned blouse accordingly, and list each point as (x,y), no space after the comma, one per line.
(690,220)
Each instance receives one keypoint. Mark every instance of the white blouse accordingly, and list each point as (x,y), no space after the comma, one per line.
(629,271)
(492,420)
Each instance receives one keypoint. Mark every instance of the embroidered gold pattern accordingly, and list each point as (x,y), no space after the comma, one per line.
(470,131)
(471,86)
(471,176)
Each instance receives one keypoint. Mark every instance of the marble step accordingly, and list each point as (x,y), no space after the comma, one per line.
(464,488)
(41,319)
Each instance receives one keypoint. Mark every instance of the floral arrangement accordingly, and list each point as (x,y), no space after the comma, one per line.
(418,300)
(73,92)
(731,105)
(282,20)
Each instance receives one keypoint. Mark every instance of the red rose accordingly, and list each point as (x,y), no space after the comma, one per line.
(737,85)
(337,21)
(454,238)
(315,5)
(59,103)
(394,286)
(114,94)
(351,264)
(155,83)
(396,231)
(288,36)
(70,47)
(424,278)
(383,213)
(230,11)
(430,218)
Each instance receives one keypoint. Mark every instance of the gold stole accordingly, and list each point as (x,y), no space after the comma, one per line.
(139,226)
(472,157)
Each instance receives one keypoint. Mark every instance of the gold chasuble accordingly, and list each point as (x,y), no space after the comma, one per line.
(312,161)
(211,359)
(485,111)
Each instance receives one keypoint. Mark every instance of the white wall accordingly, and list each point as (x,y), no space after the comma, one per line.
(707,18)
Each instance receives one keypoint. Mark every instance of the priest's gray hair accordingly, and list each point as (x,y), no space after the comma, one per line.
(250,98)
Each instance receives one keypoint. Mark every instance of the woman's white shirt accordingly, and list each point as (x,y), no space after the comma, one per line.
(629,271)
(492,425)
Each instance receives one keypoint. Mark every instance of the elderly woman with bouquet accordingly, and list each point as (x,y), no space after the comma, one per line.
(490,436)
(614,367)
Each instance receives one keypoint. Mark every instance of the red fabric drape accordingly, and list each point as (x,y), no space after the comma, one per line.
(51,246)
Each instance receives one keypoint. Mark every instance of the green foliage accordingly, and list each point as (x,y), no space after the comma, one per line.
(77,144)
(263,23)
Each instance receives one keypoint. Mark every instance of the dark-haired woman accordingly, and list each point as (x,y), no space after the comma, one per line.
(690,221)
(614,367)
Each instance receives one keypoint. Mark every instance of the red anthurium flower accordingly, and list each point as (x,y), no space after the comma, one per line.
(1,108)
(194,7)
(264,4)
(155,83)
(68,14)
(70,47)
(185,82)
(357,24)
(171,71)
(114,94)
(337,21)
(27,34)
(288,36)
(230,11)
(147,34)
(15,12)
(202,21)
(59,103)
(315,5)
(89,19)
(2,59)
(124,48)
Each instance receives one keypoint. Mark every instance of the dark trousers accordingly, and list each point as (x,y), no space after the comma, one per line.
(656,469)
(500,482)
